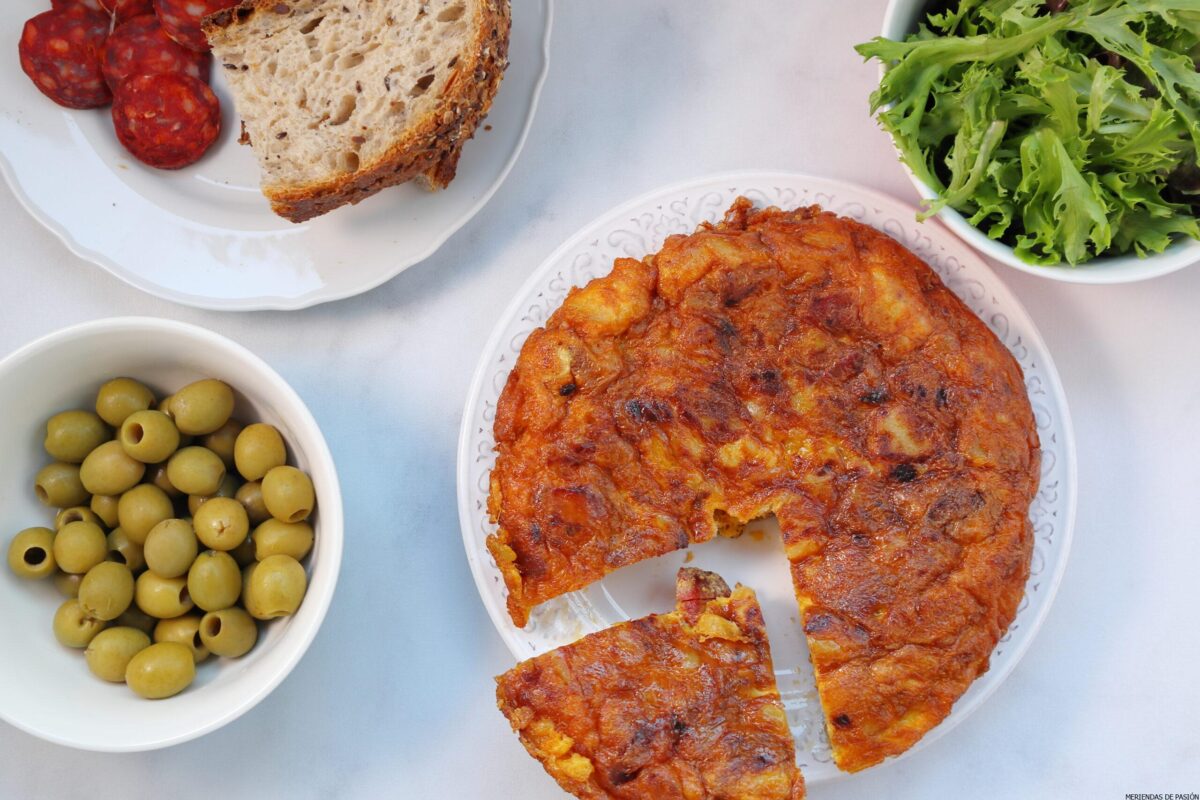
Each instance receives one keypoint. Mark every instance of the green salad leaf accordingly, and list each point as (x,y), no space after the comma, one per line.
(1066,134)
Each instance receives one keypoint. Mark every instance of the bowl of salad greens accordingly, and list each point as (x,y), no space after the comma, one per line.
(1060,137)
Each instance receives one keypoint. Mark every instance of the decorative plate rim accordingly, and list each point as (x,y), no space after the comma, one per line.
(313,297)
(745,180)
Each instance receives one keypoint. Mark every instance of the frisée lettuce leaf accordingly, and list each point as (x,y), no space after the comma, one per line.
(1066,130)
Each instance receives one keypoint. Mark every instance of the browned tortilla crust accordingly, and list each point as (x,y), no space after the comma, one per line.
(797,364)
(677,706)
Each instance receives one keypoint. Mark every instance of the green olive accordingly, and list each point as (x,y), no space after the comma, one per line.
(273,537)
(194,501)
(275,587)
(250,496)
(170,548)
(195,470)
(73,627)
(67,583)
(108,470)
(141,508)
(221,523)
(71,435)
(59,485)
(202,407)
(222,440)
(157,475)
(109,653)
(106,590)
(104,506)
(243,554)
(164,406)
(119,398)
(288,494)
(186,631)
(228,488)
(149,436)
(229,633)
(134,617)
(75,514)
(258,449)
(123,550)
(247,571)
(214,581)
(165,598)
(31,553)
(79,546)
(161,670)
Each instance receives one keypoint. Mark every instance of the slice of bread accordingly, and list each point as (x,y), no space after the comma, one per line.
(341,98)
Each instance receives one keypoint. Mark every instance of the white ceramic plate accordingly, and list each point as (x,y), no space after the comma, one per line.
(204,235)
(756,559)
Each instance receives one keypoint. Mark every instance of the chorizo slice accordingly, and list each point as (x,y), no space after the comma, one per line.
(181,19)
(167,120)
(60,52)
(142,47)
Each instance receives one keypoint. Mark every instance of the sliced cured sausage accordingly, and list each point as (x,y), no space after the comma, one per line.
(167,120)
(124,10)
(91,5)
(60,52)
(181,19)
(142,47)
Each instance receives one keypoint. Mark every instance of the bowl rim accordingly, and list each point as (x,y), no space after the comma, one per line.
(1107,270)
(332,523)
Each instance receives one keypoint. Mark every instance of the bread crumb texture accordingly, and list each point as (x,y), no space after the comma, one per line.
(329,90)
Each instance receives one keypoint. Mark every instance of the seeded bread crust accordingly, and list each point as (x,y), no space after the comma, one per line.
(430,148)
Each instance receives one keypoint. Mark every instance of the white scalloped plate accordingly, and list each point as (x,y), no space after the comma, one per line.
(756,559)
(204,235)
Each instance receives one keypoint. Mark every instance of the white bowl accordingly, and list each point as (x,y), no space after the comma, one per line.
(45,688)
(899,20)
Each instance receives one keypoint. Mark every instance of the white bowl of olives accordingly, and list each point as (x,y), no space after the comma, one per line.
(172,524)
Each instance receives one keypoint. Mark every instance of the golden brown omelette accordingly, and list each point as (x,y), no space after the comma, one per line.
(803,365)
(681,705)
